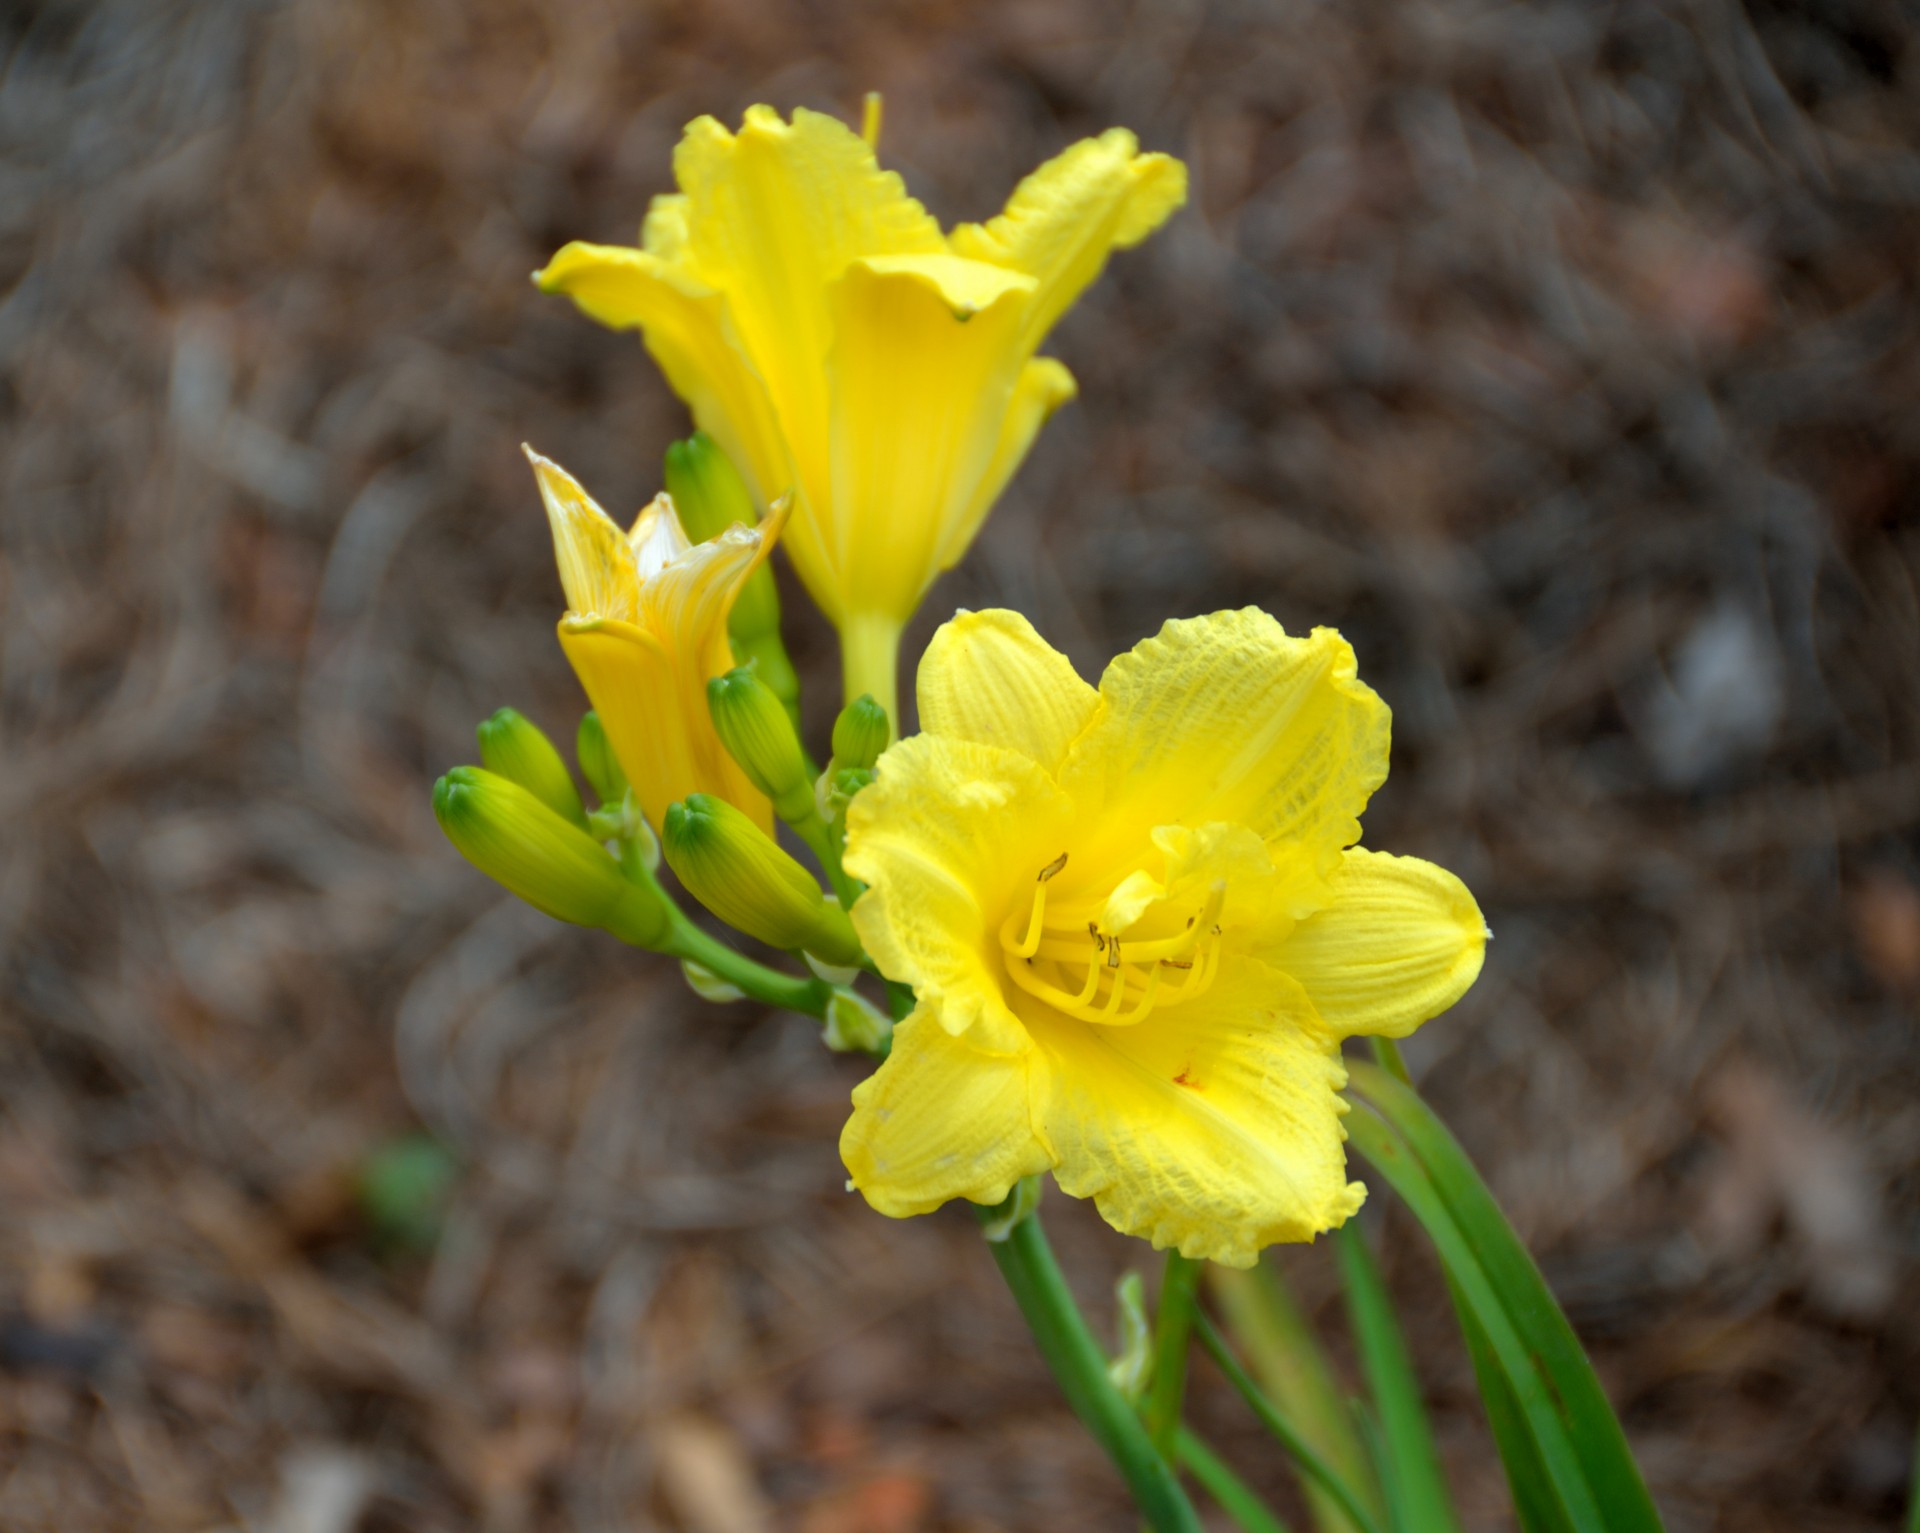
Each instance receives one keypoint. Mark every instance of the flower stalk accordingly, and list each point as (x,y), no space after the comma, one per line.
(1027,1263)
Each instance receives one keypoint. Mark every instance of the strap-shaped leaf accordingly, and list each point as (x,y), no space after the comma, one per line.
(1533,1499)
(1285,1355)
(1389,1156)
(1529,1336)
(1235,1497)
(1416,1490)
(1606,1461)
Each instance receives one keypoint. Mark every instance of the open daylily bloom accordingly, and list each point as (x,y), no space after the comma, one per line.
(645,628)
(837,344)
(1138,928)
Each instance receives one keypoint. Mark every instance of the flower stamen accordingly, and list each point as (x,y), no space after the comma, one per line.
(1133,972)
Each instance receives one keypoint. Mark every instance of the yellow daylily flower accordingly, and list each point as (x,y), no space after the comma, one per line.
(837,344)
(1138,927)
(645,629)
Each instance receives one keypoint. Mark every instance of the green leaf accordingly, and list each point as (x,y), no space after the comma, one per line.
(1416,1490)
(1547,1341)
(1286,1357)
(1235,1497)
(1311,1465)
(1534,1501)
(1389,1156)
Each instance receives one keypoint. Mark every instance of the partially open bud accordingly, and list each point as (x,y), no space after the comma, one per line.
(860,734)
(754,727)
(516,840)
(739,873)
(512,745)
(597,761)
(711,496)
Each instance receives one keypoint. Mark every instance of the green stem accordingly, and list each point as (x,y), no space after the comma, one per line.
(870,662)
(1387,1053)
(819,839)
(1172,1325)
(1236,1498)
(1310,1462)
(808,996)
(1026,1262)
(1285,1356)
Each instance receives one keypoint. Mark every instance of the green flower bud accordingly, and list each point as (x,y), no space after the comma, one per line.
(860,734)
(710,496)
(756,731)
(737,871)
(597,761)
(707,489)
(512,745)
(516,840)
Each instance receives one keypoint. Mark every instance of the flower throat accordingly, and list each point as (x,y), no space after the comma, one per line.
(1123,980)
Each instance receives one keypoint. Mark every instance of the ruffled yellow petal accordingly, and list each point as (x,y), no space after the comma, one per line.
(772,216)
(688,332)
(1043,387)
(920,378)
(1063,220)
(686,601)
(1213,1126)
(940,1120)
(1226,718)
(1400,941)
(948,838)
(597,568)
(988,677)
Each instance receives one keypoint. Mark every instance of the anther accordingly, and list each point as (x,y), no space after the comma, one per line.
(1053,867)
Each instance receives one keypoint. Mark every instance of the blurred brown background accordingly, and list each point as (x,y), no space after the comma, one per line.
(1566,356)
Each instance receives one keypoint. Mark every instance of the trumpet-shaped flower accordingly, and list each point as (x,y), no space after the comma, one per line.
(1138,927)
(837,344)
(645,629)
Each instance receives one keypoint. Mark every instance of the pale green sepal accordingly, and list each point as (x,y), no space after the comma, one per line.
(855,1025)
(709,986)
(999,1223)
(1132,1367)
(836,788)
(836,974)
